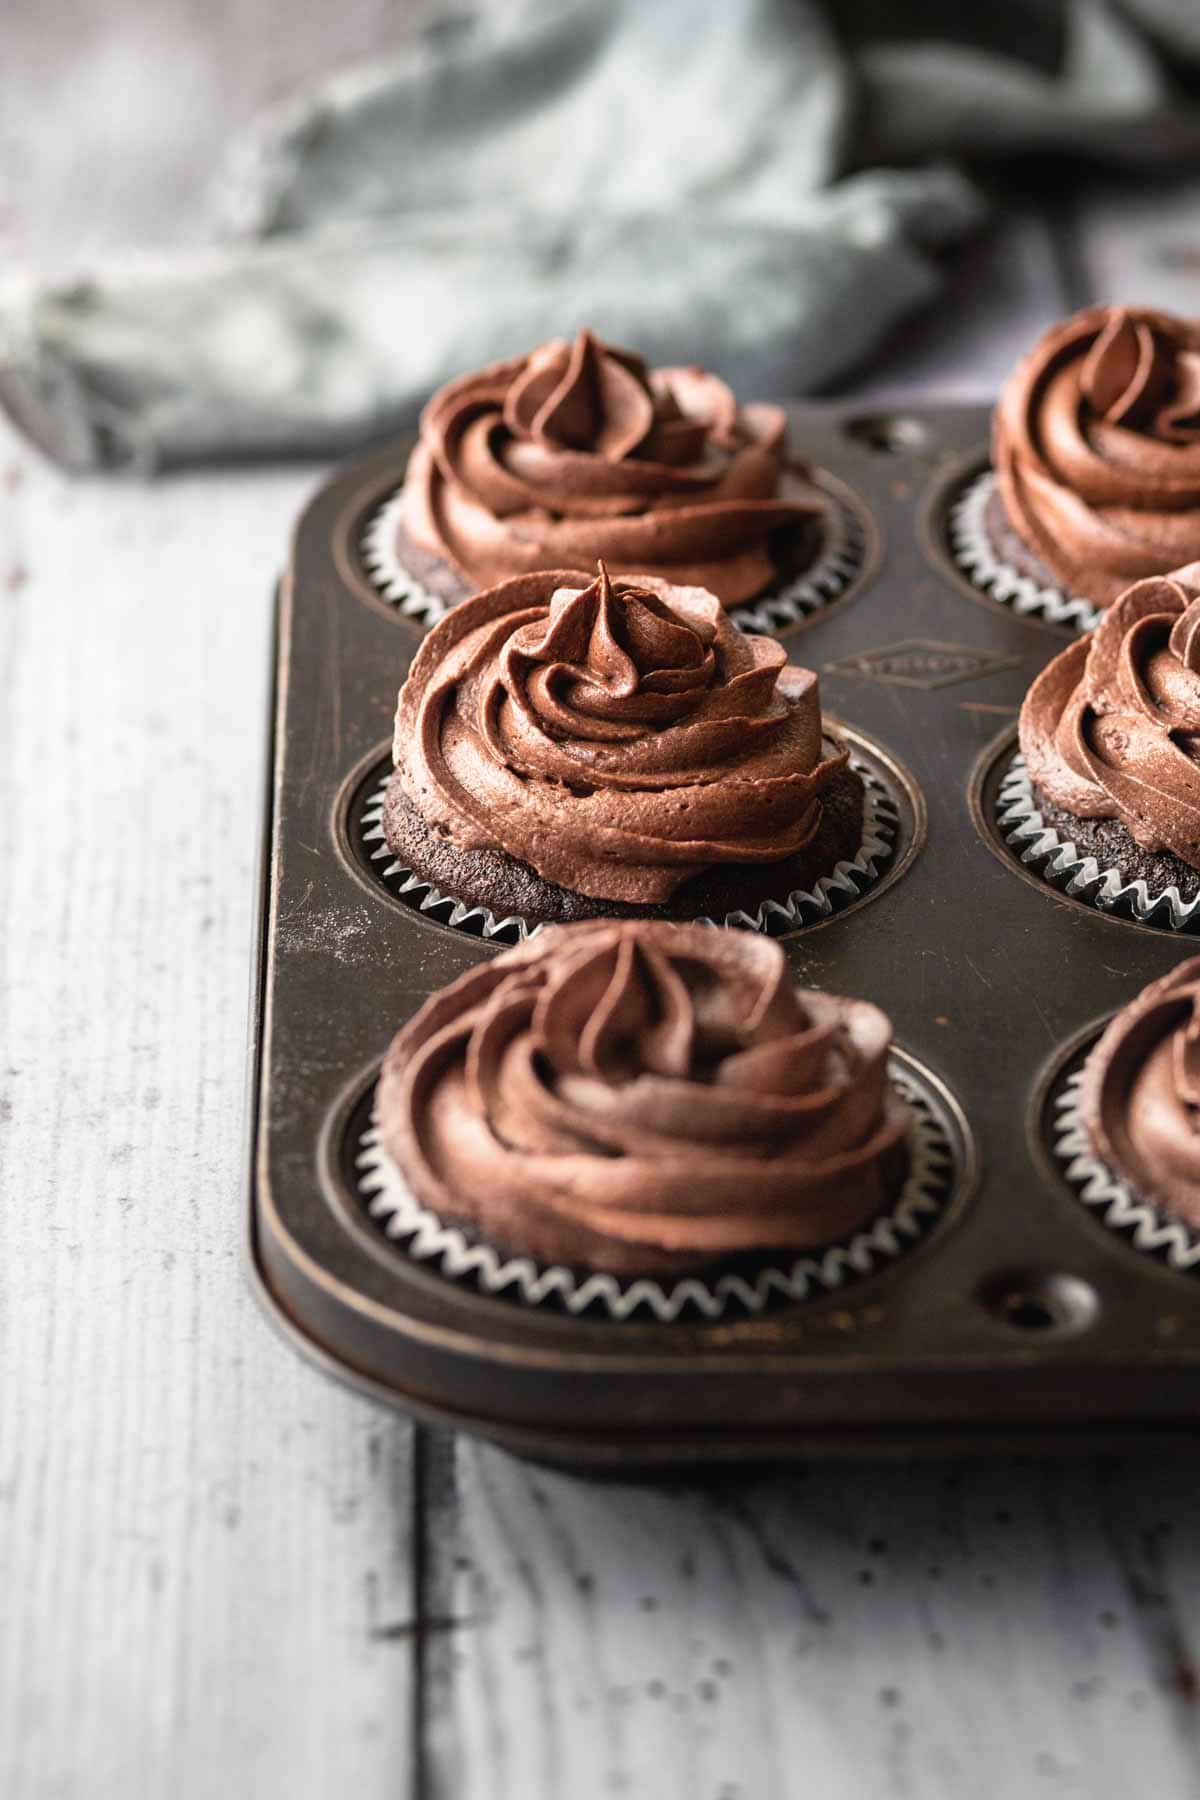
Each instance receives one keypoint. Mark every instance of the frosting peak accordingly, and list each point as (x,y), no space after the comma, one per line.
(1111,728)
(582,396)
(1097,447)
(1129,379)
(607,663)
(578,451)
(1141,1095)
(617,736)
(644,1096)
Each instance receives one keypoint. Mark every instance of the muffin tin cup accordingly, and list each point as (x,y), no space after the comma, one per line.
(846,561)
(393,581)
(971,544)
(1040,846)
(848,882)
(461,1256)
(1013,1321)
(1112,1200)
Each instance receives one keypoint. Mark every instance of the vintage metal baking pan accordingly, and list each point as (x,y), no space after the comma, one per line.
(1017,1318)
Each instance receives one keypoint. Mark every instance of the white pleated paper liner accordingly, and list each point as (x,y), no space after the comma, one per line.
(973,551)
(1057,860)
(1147,1227)
(826,580)
(838,564)
(848,880)
(462,1257)
(386,572)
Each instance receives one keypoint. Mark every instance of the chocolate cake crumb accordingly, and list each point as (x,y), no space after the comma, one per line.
(1113,848)
(505,885)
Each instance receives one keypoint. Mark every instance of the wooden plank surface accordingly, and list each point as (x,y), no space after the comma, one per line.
(224,1576)
(205,1548)
(948,1631)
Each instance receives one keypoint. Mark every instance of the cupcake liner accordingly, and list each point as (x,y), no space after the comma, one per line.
(387,573)
(824,582)
(818,587)
(460,1256)
(973,550)
(1149,1228)
(803,906)
(1035,843)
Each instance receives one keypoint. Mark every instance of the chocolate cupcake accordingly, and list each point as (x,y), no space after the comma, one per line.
(1140,1099)
(568,748)
(1096,466)
(1109,791)
(645,1100)
(578,452)
(1126,1122)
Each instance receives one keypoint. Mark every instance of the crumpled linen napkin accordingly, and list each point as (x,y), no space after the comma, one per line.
(684,176)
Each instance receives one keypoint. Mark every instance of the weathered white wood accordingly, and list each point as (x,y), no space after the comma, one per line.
(974,1632)
(204,1546)
(205,1549)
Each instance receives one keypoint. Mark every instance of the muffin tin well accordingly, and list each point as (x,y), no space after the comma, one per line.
(957,539)
(1015,1319)
(1005,809)
(941,1173)
(848,556)
(893,832)
(1070,1158)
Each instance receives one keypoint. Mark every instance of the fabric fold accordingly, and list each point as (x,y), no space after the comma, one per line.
(674,178)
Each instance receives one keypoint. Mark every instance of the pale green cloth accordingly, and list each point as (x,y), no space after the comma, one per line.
(684,176)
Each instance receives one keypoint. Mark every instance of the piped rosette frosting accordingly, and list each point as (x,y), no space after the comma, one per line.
(578,451)
(644,1097)
(1096,446)
(616,736)
(1141,1093)
(1111,728)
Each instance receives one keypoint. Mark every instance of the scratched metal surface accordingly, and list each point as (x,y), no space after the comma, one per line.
(222,1574)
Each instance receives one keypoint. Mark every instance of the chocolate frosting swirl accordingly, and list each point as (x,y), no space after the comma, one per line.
(1111,728)
(578,451)
(616,736)
(644,1096)
(1141,1092)
(1096,445)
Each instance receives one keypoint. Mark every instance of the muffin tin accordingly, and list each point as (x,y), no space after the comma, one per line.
(1021,1316)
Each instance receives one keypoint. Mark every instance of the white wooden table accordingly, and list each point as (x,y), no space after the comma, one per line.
(222,1576)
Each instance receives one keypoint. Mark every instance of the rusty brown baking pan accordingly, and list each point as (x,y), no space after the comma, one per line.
(1020,1319)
